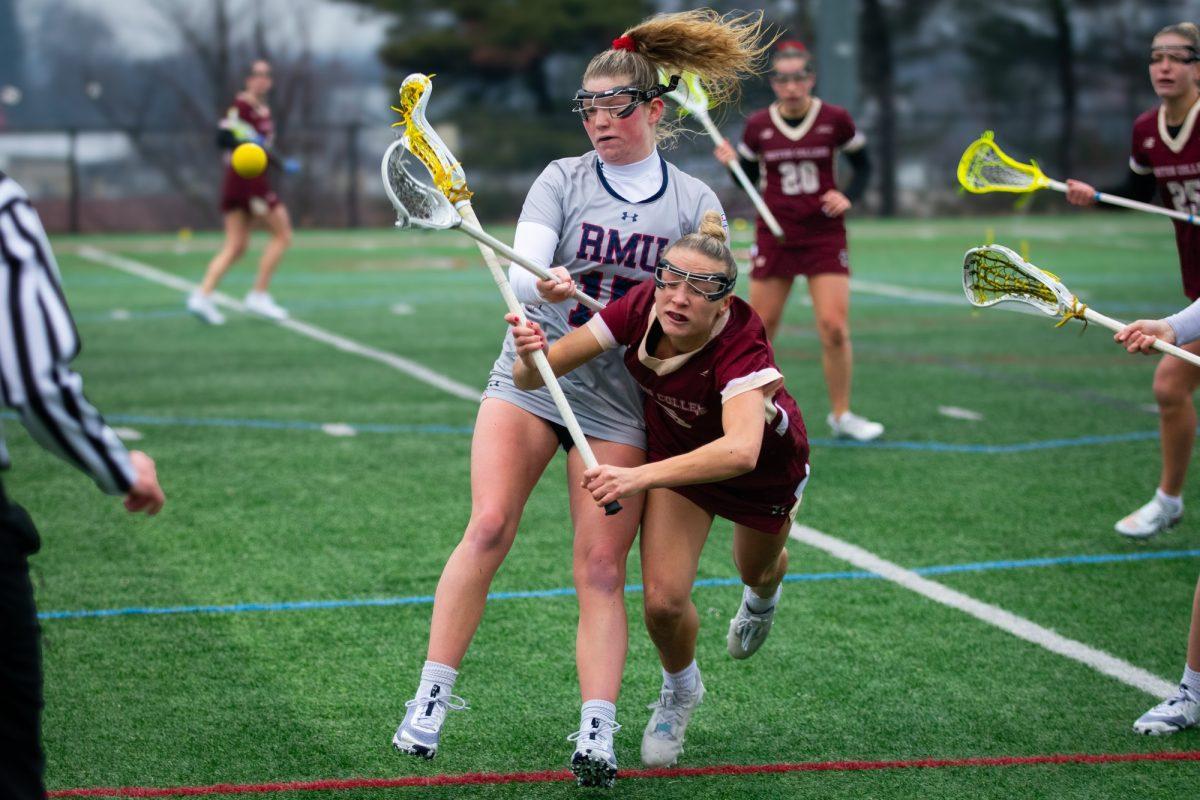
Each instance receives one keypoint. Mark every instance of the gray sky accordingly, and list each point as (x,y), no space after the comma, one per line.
(336,27)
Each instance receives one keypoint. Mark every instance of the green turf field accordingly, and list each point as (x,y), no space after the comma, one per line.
(267,509)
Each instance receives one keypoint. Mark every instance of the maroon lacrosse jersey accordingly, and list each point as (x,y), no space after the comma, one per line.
(1175,163)
(798,164)
(682,405)
(253,195)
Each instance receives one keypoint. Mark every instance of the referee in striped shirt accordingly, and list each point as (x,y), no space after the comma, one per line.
(37,342)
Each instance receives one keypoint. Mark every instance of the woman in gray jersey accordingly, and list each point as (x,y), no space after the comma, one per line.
(603,219)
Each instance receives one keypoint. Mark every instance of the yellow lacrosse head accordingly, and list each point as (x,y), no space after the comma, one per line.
(423,142)
(984,167)
(690,94)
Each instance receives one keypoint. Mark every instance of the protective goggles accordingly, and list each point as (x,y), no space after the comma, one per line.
(1181,53)
(790,77)
(620,101)
(710,286)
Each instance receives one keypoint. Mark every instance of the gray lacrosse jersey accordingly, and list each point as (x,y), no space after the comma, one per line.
(609,245)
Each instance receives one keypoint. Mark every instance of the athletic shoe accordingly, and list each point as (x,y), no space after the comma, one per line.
(421,729)
(203,307)
(748,630)
(1181,710)
(595,760)
(851,426)
(662,741)
(261,303)
(1149,520)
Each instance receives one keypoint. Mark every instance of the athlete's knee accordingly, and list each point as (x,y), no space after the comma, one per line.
(1171,391)
(489,532)
(833,330)
(283,237)
(602,569)
(664,609)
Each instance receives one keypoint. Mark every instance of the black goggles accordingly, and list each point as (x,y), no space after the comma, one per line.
(620,101)
(709,285)
(1183,53)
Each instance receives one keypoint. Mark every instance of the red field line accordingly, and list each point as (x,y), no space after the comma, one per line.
(475,778)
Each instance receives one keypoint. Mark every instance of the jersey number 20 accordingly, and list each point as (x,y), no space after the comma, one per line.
(798,177)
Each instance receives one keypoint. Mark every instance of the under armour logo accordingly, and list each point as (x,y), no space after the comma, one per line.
(627,217)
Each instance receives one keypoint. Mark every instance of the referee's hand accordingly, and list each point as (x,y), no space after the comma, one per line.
(145,494)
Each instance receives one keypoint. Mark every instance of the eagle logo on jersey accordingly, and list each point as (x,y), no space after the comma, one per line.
(1148,143)
(766,134)
(824,129)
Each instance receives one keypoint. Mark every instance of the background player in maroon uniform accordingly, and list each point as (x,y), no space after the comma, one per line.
(245,200)
(794,144)
(1166,155)
(724,438)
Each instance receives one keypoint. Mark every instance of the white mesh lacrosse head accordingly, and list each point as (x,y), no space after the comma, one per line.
(417,204)
(995,274)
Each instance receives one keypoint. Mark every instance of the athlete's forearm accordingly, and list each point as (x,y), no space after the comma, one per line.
(718,460)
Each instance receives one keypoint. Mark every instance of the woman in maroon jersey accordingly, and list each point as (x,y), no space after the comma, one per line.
(1166,155)
(246,200)
(793,145)
(724,439)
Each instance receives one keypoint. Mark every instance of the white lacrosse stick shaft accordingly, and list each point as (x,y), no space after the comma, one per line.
(539,356)
(1125,202)
(739,173)
(1160,345)
(488,243)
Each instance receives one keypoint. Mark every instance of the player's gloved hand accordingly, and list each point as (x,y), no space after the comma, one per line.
(556,291)
(291,165)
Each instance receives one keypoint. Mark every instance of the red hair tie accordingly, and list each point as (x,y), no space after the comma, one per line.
(624,43)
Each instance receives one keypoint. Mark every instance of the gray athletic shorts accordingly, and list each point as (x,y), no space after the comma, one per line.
(539,403)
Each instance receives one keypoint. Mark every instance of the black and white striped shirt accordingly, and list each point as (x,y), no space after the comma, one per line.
(38,340)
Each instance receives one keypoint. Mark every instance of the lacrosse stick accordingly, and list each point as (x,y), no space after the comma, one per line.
(994,274)
(984,167)
(420,205)
(692,99)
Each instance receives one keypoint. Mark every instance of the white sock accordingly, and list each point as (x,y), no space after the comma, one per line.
(683,681)
(597,709)
(435,674)
(1191,679)
(759,605)
(1173,502)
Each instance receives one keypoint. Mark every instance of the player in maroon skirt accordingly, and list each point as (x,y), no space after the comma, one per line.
(794,145)
(724,439)
(247,200)
(1166,156)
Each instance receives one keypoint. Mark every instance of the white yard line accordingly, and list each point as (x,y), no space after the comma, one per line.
(407,366)
(1020,627)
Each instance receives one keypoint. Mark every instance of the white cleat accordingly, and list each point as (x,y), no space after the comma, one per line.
(263,305)
(748,630)
(1149,520)
(421,730)
(1181,710)
(662,741)
(851,426)
(595,759)
(203,307)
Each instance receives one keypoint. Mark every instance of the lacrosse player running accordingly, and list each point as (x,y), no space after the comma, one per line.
(604,219)
(1181,710)
(725,439)
(1166,153)
(244,200)
(795,143)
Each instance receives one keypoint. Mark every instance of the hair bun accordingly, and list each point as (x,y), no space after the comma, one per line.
(712,226)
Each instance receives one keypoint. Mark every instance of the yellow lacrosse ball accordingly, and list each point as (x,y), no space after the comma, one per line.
(249,160)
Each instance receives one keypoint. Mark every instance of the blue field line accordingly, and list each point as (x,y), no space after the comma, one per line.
(465,430)
(633,588)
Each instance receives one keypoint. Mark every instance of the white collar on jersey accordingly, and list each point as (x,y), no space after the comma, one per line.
(639,169)
(800,131)
(1185,132)
(665,366)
